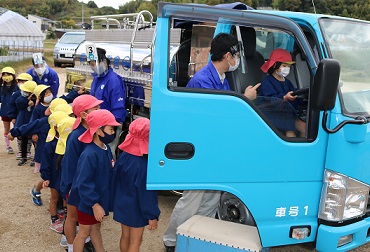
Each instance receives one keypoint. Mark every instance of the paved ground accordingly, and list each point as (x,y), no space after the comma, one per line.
(24,227)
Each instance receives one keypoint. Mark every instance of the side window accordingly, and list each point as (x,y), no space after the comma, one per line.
(192,54)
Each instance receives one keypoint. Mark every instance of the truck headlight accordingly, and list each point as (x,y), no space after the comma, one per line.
(342,198)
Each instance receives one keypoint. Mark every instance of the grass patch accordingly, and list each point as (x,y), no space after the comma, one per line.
(50,43)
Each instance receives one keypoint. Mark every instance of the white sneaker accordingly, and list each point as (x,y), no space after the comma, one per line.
(63,242)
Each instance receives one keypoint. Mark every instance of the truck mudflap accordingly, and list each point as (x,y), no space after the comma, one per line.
(201,233)
(347,237)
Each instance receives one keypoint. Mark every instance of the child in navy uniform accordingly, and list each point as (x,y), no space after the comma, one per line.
(8,87)
(12,108)
(81,106)
(134,206)
(48,170)
(93,175)
(25,105)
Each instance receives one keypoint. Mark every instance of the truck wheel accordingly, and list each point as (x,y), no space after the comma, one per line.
(232,209)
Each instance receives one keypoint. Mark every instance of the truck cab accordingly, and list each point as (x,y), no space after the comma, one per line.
(311,188)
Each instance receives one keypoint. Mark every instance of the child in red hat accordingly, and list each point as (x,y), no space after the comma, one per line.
(134,206)
(92,178)
(276,85)
(81,106)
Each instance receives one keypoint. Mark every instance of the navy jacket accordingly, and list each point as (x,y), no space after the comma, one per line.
(133,204)
(5,99)
(24,111)
(92,178)
(48,168)
(69,163)
(12,108)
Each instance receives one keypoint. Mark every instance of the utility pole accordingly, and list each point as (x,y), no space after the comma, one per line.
(82,21)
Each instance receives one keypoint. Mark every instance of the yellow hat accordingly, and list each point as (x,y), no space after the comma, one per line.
(66,108)
(24,76)
(54,103)
(8,70)
(64,128)
(54,119)
(28,86)
(38,90)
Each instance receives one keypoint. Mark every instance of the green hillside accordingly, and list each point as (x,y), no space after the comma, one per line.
(69,12)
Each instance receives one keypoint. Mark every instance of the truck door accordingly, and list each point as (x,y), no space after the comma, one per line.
(220,140)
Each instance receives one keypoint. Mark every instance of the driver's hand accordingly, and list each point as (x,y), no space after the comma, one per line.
(251,91)
(289,96)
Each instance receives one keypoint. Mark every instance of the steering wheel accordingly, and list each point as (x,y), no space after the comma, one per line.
(301,92)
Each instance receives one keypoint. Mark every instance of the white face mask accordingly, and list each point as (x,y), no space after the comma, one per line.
(237,62)
(47,99)
(284,71)
(40,71)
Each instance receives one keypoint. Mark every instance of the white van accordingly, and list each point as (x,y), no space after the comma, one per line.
(66,46)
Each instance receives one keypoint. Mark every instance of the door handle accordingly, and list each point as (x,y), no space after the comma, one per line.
(179,150)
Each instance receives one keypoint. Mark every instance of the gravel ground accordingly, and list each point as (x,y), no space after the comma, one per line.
(24,227)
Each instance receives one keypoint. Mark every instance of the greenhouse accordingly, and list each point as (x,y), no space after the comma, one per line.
(19,37)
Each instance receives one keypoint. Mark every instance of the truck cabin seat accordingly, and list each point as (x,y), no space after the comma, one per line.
(253,59)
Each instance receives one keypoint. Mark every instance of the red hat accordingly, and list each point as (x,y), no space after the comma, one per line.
(277,55)
(137,140)
(96,119)
(81,104)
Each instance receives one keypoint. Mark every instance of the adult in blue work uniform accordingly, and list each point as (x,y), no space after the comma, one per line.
(109,87)
(43,74)
(224,58)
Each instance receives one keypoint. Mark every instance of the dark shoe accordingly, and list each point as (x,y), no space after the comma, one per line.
(22,161)
(169,248)
(89,247)
(32,163)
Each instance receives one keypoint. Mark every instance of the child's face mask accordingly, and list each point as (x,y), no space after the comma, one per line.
(284,71)
(8,78)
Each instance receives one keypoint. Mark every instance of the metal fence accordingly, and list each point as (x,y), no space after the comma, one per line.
(18,48)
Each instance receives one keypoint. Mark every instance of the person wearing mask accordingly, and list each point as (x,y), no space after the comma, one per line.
(43,74)
(109,87)
(224,58)
(276,85)
(8,87)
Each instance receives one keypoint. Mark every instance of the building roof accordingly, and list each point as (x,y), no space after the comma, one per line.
(15,25)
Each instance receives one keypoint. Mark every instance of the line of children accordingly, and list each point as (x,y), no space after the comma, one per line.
(8,87)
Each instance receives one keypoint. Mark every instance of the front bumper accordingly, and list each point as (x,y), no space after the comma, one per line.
(328,236)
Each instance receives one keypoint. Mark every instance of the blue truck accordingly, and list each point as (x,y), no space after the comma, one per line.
(276,190)
(311,189)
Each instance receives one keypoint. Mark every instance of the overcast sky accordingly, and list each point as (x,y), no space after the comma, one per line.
(113,3)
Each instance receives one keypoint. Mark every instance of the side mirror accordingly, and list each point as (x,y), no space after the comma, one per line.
(325,86)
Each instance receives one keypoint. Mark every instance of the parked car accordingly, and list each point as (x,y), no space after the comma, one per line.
(66,46)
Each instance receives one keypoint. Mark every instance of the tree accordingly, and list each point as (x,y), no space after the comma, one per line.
(92,4)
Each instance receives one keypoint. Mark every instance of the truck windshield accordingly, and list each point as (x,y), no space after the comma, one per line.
(72,38)
(349,42)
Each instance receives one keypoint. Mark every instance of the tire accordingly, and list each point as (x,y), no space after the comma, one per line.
(232,209)
(57,64)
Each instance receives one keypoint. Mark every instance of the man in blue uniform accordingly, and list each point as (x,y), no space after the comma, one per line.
(224,58)
(42,74)
(109,87)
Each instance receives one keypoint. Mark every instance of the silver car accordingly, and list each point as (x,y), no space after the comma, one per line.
(66,47)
